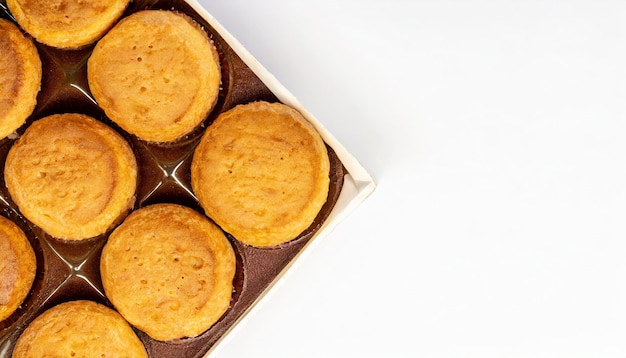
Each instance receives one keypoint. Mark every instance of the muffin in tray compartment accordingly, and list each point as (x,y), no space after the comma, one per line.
(156,74)
(79,328)
(66,24)
(71,175)
(18,266)
(169,271)
(20,78)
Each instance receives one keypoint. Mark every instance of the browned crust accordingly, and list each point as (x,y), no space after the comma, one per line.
(71,175)
(261,172)
(156,74)
(79,329)
(65,23)
(169,271)
(20,78)
(17,267)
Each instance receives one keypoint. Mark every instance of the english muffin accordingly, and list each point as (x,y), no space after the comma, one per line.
(66,23)
(79,329)
(71,175)
(261,172)
(156,74)
(169,271)
(20,78)
(18,266)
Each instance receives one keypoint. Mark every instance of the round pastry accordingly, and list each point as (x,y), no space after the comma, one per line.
(79,329)
(67,23)
(71,175)
(156,74)
(20,78)
(17,267)
(261,172)
(169,271)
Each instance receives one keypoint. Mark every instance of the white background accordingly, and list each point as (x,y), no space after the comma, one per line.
(496,132)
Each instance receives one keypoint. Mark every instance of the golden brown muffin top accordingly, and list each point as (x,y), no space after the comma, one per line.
(156,74)
(169,271)
(17,267)
(261,172)
(20,77)
(79,329)
(66,23)
(71,175)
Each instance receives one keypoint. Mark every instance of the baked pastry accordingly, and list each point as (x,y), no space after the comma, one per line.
(261,172)
(18,266)
(67,23)
(79,329)
(169,271)
(71,175)
(156,74)
(20,77)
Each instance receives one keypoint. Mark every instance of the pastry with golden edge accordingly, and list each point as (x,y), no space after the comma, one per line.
(261,172)
(20,78)
(18,266)
(67,23)
(156,74)
(169,271)
(71,175)
(79,329)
